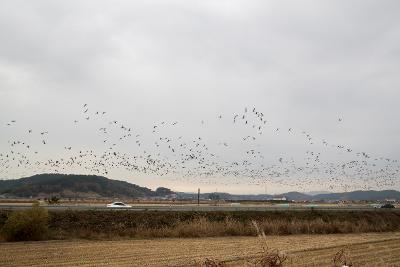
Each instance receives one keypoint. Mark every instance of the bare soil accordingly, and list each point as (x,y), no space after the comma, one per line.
(369,249)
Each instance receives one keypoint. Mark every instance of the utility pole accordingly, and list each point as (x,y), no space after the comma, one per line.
(198,197)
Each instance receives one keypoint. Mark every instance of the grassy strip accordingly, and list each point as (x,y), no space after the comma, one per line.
(154,224)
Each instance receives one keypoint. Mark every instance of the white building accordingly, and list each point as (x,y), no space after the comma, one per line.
(279,199)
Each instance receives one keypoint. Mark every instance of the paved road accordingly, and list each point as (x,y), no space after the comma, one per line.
(18,206)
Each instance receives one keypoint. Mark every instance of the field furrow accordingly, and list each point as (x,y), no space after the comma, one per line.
(304,250)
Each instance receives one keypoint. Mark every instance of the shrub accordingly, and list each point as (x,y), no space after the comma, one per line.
(54,200)
(27,225)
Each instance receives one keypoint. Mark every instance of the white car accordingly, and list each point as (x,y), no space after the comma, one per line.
(118,205)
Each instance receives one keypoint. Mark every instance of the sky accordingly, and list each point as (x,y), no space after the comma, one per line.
(326,69)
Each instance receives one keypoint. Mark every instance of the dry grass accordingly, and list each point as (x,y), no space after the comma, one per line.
(270,257)
(116,224)
(366,250)
(112,225)
(342,258)
(203,227)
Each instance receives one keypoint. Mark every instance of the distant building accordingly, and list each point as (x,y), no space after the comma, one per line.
(172,196)
(279,199)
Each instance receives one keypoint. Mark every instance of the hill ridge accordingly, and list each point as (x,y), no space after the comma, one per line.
(86,186)
(73,185)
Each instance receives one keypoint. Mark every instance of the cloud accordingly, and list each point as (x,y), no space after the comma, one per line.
(303,63)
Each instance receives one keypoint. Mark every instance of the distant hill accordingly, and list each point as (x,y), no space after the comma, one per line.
(86,186)
(313,193)
(296,196)
(75,186)
(360,195)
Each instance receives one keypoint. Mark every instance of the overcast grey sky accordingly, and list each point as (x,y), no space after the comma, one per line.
(303,64)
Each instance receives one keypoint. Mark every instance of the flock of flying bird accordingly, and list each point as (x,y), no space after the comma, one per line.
(197,158)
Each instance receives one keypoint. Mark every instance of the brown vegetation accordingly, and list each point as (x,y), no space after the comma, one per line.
(27,225)
(341,258)
(151,224)
(270,257)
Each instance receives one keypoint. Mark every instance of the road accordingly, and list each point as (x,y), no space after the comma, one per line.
(152,207)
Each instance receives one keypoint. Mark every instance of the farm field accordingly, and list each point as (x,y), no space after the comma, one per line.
(370,249)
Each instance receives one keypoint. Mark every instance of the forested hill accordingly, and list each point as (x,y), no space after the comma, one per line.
(63,185)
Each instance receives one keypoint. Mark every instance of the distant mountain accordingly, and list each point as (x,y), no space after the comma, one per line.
(75,186)
(314,193)
(86,186)
(360,195)
(296,196)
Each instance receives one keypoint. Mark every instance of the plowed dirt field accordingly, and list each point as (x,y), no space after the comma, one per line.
(374,249)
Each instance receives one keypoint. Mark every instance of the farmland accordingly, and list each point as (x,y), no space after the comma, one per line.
(372,249)
(188,238)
